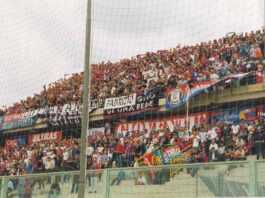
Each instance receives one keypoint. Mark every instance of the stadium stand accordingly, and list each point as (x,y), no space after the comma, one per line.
(220,143)
(213,60)
(161,71)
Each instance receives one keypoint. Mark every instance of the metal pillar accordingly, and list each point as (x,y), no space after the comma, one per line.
(4,185)
(263,14)
(86,99)
(252,178)
(187,110)
(107,183)
(220,184)
(187,115)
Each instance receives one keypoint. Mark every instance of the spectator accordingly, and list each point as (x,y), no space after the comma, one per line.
(54,191)
(166,68)
(213,148)
(259,143)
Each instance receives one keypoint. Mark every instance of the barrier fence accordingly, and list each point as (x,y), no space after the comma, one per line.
(233,178)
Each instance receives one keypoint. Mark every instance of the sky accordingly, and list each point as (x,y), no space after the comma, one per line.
(41,41)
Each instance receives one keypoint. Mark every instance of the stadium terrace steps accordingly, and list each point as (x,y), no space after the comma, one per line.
(182,185)
(204,183)
(235,181)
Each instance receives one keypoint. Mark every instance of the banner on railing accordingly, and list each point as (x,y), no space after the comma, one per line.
(96,131)
(171,123)
(10,143)
(179,96)
(68,113)
(64,115)
(175,99)
(120,102)
(35,138)
(248,114)
(227,116)
(139,103)
(21,120)
(170,154)
(95,104)
(260,112)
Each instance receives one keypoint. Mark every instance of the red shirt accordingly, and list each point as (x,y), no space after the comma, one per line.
(259,77)
(120,148)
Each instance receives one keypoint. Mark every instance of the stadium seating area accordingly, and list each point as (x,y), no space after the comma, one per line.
(211,60)
(133,149)
(165,68)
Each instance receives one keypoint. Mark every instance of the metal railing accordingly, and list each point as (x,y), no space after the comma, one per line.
(232,178)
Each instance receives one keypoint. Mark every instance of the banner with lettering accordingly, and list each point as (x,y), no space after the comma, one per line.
(96,131)
(10,143)
(68,114)
(56,115)
(120,102)
(96,104)
(227,116)
(21,120)
(137,104)
(171,123)
(249,114)
(40,137)
(261,111)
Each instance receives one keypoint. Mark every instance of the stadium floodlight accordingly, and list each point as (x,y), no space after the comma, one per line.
(86,99)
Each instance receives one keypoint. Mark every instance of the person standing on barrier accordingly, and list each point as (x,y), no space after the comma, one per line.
(92,176)
(213,149)
(221,152)
(75,181)
(259,138)
(119,153)
(120,176)
(24,186)
(54,191)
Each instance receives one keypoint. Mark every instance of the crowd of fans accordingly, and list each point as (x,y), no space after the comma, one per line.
(237,53)
(219,143)
(213,60)
(202,144)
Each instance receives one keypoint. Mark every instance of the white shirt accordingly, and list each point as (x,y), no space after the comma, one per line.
(100,149)
(26,161)
(49,164)
(212,134)
(214,76)
(196,141)
(203,136)
(136,164)
(89,150)
(221,150)
(213,146)
(235,129)
(142,180)
(66,155)
(29,153)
